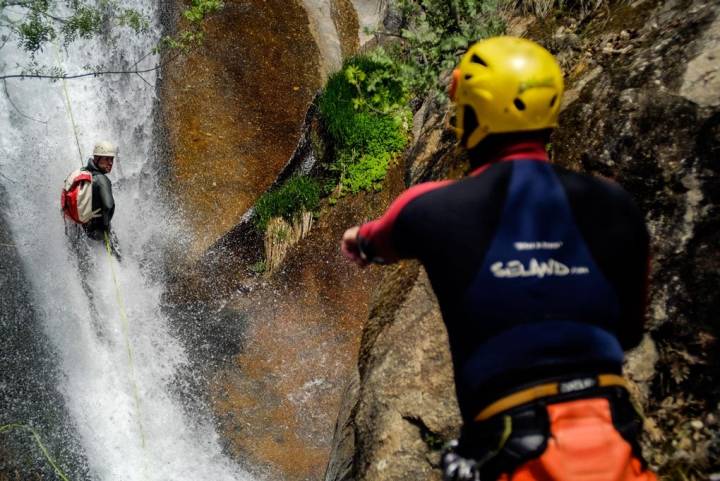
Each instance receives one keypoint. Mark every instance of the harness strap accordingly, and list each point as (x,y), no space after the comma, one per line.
(549,389)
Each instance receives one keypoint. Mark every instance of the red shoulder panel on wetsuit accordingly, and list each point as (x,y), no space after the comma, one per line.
(378,233)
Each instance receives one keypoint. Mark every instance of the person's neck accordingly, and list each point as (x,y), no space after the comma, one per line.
(504,147)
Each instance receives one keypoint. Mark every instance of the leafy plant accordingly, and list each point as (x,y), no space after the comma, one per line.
(85,23)
(258,267)
(364,108)
(288,200)
(35,24)
(437,33)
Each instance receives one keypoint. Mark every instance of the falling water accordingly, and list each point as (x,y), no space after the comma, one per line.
(116,385)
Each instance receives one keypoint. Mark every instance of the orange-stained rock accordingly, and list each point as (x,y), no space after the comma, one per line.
(234,109)
(278,401)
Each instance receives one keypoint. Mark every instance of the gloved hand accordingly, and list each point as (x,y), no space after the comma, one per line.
(350,247)
(457,468)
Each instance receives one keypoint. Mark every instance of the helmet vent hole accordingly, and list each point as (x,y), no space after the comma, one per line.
(519,104)
(476,59)
(552,102)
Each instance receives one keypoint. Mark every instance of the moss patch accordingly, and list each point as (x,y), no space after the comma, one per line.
(364,108)
(288,200)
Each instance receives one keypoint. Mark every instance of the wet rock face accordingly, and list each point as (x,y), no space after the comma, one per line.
(235,107)
(276,350)
(276,401)
(650,118)
(406,409)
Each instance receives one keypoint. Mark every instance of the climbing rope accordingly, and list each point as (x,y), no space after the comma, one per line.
(38,441)
(118,294)
(125,323)
(69,106)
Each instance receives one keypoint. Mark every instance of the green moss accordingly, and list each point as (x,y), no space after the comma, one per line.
(288,200)
(433,441)
(364,108)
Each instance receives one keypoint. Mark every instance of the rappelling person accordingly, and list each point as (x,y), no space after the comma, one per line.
(87,197)
(541,277)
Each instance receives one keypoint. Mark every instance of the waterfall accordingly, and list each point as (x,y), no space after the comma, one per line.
(123,405)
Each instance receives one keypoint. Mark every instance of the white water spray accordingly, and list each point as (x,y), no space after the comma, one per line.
(124,440)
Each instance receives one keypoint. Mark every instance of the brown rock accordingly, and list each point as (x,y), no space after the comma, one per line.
(234,110)
(406,408)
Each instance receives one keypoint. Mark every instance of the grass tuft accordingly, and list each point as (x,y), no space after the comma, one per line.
(288,201)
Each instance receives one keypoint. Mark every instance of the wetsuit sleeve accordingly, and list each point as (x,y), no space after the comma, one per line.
(614,229)
(635,296)
(376,238)
(107,203)
(628,267)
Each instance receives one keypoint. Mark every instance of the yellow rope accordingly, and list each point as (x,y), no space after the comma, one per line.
(507,431)
(125,323)
(69,106)
(58,471)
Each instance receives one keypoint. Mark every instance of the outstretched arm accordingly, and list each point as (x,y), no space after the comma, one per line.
(374,241)
(350,247)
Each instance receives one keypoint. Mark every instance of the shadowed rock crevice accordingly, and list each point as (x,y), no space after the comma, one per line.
(433,440)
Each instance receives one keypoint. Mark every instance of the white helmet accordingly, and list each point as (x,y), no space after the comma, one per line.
(104,149)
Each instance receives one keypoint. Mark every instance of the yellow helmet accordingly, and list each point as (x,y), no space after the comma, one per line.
(510,84)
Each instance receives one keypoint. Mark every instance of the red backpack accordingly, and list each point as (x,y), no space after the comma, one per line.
(76,197)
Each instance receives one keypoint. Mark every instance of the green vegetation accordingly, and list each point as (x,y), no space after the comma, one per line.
(288,200)
(36,24)
(258,267)
(364,108)
(437,33)
(433,441)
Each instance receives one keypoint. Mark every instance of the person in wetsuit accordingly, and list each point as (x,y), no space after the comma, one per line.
(103,207)
(100,164)
(540,274)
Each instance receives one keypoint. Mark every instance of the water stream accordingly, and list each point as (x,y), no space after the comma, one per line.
(124,405)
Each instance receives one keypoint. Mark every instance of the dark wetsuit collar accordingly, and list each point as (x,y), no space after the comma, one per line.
(91,166)
(528,149)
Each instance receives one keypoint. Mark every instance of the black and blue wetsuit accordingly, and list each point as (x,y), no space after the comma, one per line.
(540,272)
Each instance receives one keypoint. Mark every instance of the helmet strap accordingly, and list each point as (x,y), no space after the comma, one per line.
(469,124)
